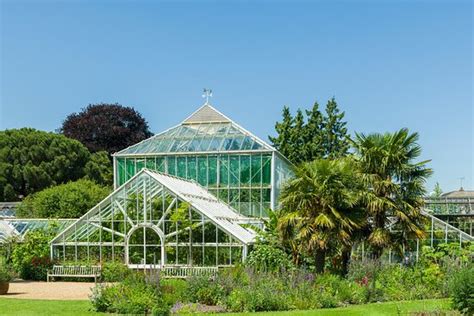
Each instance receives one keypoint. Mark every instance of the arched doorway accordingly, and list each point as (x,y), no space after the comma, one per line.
(145,246)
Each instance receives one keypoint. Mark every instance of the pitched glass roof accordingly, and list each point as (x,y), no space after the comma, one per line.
(206,130)
(20,226)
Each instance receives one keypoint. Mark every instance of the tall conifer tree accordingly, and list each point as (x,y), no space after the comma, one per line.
(313,134)
(282,142)
(297,139)
(336,143)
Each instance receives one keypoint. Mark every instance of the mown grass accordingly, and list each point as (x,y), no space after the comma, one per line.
(13,306)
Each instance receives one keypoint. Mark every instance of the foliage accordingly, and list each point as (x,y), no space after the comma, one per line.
(10,307)
(437,190)
(70,200)
(205,290)
(266,295)
(30,258)
(462,290)
(132,296)
(264,257)
(114,271)
(335,141)
(6,274)
(394,187)
(173,290)
(108,127)
(99,169)
(312,135)
(321,208)
(31,160)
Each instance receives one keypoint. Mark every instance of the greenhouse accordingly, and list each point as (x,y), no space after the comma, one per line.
(232,164)
(157,220)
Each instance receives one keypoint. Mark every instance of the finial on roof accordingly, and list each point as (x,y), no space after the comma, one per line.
(207,94)
(461,179)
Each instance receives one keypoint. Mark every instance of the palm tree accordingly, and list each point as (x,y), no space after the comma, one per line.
(319,208)
(395,185)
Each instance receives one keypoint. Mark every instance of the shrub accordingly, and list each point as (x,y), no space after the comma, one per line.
(204,290)
(332,291)
(264,294)
(31,257)
(114,271)
(266,257)
(70,200)
(132,296)
(174,291)
(5,273)
(462,290)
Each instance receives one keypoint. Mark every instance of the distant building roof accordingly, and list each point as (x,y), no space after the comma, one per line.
(461,193)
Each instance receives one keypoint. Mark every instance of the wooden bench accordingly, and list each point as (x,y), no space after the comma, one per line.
(186,272)
(75,271)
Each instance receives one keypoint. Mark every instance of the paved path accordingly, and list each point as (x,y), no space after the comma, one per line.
(50,291)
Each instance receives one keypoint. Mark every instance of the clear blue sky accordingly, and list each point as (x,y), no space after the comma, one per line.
(390,64)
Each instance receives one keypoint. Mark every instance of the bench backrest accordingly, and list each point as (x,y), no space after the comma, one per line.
(76,270)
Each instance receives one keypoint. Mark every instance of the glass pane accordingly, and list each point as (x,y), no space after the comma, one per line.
(192,175)
(121,171)
(244,170)
(236,143)
(234,170)
(256,170)
(247,143)
(171,164)
(130,167)
(224,170)
(197,256)
(266,170)
(160,164)
(202,170)
(181,172)
(212,181)
(140,164)
(150,163)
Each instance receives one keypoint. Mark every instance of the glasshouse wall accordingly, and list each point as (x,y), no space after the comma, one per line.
(244,181)
(145,223)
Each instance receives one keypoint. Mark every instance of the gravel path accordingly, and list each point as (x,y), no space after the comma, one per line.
(50,290)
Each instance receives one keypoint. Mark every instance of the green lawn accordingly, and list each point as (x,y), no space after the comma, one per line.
(12,306)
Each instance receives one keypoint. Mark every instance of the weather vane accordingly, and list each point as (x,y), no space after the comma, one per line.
(207,94)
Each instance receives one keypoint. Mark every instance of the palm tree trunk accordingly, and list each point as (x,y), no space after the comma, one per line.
(345,258)
(320,260)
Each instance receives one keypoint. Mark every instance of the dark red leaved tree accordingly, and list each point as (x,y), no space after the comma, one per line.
(109,127)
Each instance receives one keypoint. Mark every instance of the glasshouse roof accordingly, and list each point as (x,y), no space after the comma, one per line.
(206,130)
(18,227)
(198,198)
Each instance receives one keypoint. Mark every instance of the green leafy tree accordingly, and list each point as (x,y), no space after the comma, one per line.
(335,140)
(395,187)
(320,207)
(99,168)
(109,127)
(70,200)
(437,190)
(31,160)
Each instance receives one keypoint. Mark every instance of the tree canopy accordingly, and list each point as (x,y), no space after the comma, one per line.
(70,200)
(31,160)
(395,186)
(108,127)
(312,135)
(99,168)
(321,208)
